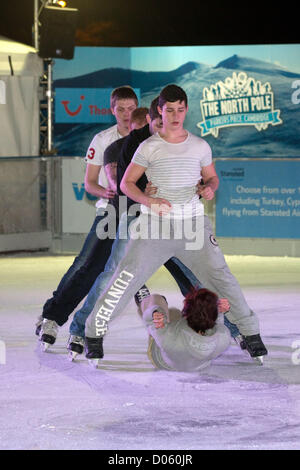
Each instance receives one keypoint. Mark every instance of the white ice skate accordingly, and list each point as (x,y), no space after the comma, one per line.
(72,356)
(44,346)
(259,360)
(94,363)
(75,346)
(48,333)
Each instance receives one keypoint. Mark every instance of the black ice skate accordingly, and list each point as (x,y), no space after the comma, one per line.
(75,346)
(48,333)
(94,350)
(255,347)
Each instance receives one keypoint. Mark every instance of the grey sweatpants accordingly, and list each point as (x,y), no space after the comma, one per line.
(144,256)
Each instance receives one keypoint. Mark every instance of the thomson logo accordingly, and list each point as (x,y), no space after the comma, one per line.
(84,105)
(234,173)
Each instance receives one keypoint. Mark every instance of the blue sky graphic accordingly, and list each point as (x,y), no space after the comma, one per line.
(91,59)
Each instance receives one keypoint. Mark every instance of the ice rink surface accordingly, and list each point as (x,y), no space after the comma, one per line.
(48,402)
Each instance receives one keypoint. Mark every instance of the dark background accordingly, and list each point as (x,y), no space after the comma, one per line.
(159,23)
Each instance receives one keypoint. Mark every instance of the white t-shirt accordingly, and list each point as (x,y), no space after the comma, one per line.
(95,153)
(175,170)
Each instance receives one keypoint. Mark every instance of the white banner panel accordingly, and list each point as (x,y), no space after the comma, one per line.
(78,207)
(19,116)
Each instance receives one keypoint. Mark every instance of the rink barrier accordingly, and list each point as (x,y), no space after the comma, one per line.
(45,206)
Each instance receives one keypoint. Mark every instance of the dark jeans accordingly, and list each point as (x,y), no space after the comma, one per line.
(80,277)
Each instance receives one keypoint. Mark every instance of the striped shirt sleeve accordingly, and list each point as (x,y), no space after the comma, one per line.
(140,159)
(207,155)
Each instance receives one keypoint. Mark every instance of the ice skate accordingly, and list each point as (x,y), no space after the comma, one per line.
(255,348)
(94,363)
(259,360)
(44,346)
(75,346)
(94,351)
(38,325)
(141,294)
(48,333)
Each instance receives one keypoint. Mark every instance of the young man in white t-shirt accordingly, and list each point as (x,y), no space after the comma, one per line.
(173,161)
(91,260)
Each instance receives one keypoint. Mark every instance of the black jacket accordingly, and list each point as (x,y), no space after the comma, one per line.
(130,144)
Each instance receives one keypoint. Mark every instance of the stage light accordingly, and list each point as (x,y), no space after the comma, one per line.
(61,3)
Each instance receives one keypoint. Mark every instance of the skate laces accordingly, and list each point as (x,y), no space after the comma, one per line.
(77,340)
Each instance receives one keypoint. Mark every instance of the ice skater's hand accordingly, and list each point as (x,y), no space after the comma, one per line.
(109,193)
(205,191)
(223,305)
(160,206)
(158,320)
(150,189)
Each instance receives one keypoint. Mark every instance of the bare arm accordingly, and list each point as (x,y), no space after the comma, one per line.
(91,182)
(129,187)
(223,305)
(111,173)
(155,311)
(128,184)
(211,182)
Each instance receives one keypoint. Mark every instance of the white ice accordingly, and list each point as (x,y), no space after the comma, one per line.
(48,402)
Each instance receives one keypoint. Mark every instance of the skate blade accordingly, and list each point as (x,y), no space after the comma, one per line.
(45,346)
(94,363)
(259,360)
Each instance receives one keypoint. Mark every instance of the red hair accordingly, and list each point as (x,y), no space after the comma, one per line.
(200,309)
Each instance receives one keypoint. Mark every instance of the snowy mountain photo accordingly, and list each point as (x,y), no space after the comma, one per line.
(280,139)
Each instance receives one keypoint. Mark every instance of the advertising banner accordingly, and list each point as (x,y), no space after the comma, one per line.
(84,105)
(244,100)
(258,199)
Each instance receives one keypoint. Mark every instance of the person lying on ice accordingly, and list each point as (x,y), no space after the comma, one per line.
(188,340)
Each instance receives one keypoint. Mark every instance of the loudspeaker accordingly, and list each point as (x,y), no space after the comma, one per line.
(57,32)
